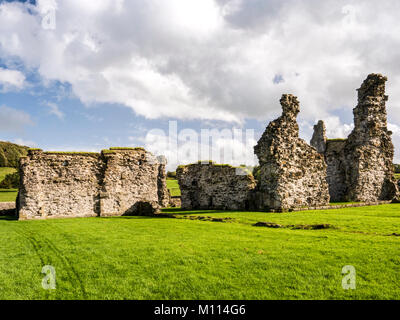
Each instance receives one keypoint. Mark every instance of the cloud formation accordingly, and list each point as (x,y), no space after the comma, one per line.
(211,59)
(11,80)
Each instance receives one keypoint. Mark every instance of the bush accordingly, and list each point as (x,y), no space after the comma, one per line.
(397,168)
(11,181)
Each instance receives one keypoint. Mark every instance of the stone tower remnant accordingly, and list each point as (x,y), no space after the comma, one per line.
(292,173)
(360,168)
(318,140)
(116,182)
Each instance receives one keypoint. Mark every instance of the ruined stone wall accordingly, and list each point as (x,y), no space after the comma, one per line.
(115,182)
(369,149)
(318,140)
(336,169)
(292,173)
(360,168)
(131,183)
(7,208)
(211,186)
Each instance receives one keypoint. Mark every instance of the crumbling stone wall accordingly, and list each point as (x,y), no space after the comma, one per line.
(7,208)
(292,173)
(115,182)
(336,169)
(318,140)
(360,168)
(369,149)
(211,186)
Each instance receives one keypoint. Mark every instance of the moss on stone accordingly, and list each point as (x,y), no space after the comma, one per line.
(73,153)
(127,148)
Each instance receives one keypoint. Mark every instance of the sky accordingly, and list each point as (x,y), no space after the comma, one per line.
(86,75)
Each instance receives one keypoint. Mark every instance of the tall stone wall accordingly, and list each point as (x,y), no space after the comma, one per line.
(336,169)
(211,186)
(360,168)
(292,173)
(115,182)
(369,149)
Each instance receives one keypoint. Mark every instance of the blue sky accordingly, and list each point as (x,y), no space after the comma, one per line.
(87,75)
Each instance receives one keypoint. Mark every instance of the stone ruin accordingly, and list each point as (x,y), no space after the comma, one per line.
(360,168)
(116,182)
(212,186)
(296,175)
(292,173)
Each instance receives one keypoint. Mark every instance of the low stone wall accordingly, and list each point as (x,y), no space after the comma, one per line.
(175,202)
(123,181)
(211,186)
(7,209)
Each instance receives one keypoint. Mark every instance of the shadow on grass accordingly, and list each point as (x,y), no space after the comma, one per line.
(182,212)
(8,218)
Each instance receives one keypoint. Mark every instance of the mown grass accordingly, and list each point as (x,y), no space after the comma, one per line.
(8,195)
(161,258)
(173,187)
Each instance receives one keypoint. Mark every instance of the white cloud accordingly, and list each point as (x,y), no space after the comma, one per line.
(212,59)
(396,139)
(23,142)
(13,120)
(190,146)
(11,79)
(54,110)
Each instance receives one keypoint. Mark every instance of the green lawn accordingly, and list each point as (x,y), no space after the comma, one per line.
(163,258)
(397,175)
(173,187)
(8,195)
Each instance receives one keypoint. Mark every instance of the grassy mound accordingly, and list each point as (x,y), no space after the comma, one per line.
(183,258)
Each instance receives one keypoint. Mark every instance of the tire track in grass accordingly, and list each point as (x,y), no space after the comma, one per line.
(74,277)
(68,261)
(36,248)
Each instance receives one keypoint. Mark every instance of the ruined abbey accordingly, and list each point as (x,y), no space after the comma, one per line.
(293,174)
(360,168)
(116,182)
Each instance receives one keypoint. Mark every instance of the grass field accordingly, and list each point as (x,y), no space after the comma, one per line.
(7,195)
(173,187)
(165,258)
